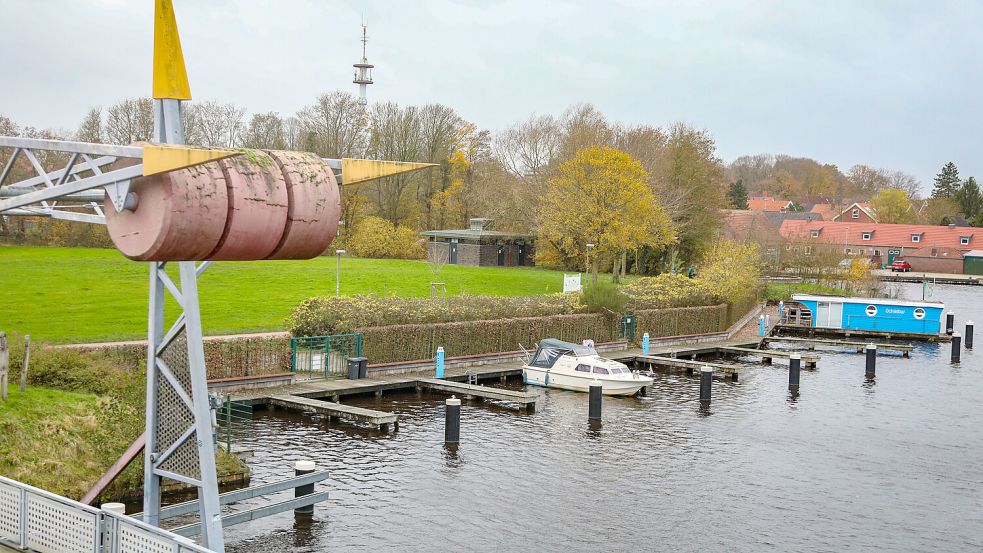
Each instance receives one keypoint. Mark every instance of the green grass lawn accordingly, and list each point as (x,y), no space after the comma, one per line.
(65,295)
(783,291)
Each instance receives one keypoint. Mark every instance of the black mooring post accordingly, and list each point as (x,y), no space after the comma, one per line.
(794,368)
(957,342)
(301,468)
(706,383)
(594,400)
(950,323)
(452,421)
(969,335)
(871,360)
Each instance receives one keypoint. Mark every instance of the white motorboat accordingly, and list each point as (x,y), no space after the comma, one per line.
(568,366)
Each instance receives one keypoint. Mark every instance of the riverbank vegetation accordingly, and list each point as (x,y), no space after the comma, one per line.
(80,412)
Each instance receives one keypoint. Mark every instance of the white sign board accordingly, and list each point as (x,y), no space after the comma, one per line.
(571,283)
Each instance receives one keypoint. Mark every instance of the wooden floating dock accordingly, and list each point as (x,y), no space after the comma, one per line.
(335,411)
(904,349)
(766,355)
(526,399)
(692,366)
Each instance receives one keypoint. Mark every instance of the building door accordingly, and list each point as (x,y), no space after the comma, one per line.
(522,255)
(829,315)
(891,254)
(452,255)
(501,256)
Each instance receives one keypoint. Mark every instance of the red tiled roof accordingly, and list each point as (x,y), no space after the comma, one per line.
(882,234)
(825,211)
(740,224)
(767,204)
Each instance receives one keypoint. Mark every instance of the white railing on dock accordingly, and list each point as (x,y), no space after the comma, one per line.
(36,520)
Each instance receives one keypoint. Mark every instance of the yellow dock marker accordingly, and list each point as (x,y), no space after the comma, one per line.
(170,76)
(354,171)
(161,158)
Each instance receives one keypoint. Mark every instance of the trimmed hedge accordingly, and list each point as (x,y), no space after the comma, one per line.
(681,321)
(224,358)
(389,344)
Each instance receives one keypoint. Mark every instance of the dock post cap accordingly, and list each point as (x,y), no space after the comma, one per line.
(969,323)
(761,316)
(950,312)
(117,508)
(795,356)
(452,401)
(955,334)
(707,369)
(304,465)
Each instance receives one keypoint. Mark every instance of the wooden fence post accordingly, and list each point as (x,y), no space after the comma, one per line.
(4,365)
(27,361)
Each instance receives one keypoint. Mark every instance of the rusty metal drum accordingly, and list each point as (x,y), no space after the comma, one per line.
(258,205)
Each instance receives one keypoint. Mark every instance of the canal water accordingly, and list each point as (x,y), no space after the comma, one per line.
(892,464)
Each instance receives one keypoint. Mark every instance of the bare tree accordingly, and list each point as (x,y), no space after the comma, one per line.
(266,130)
(867,180)
(129,120)
(90,129)
(440,130)
(395,135)
(214,124)
(752,170)
(336,125)
(583,126)
(903,181)
(530,148)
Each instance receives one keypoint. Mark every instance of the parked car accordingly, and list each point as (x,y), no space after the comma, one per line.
(900,265)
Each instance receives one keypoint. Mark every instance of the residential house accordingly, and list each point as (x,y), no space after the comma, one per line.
(768,203)
(927,248)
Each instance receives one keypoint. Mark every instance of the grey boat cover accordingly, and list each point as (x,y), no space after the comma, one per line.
(550,350)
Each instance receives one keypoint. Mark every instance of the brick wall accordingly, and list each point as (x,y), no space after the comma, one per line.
(437,252)
(468,254)
(936,264)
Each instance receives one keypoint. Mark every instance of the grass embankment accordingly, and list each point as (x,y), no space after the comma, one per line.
(78,415)
(65,295)
(783,292)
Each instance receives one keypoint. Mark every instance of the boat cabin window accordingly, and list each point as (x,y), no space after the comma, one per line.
(600,370)
(583,368)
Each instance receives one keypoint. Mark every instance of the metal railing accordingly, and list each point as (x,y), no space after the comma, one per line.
(36,520)
(233,418)
(324,356)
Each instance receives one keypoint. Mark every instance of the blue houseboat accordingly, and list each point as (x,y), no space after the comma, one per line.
(876,315)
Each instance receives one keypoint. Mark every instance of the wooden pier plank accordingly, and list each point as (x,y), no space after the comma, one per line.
(831,342)
(333,409)
(479,391)
(806,358)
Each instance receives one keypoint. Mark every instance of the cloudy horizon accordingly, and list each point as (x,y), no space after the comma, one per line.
(891,84)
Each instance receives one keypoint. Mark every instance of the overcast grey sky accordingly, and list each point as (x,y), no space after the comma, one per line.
(890,83)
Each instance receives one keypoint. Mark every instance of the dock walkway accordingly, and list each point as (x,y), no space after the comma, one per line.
(334,410)
(904,349)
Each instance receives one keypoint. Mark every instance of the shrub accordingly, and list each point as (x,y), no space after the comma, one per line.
(323,316)
(378,238)
(604,297)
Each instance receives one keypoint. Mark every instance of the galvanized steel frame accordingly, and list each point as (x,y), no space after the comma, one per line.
(169,128)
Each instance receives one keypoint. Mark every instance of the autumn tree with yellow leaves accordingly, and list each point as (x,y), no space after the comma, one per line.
(600,197)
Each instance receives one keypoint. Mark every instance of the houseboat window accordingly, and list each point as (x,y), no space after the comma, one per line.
(916,238)
(866,236)
(600,370)
(583,368)
(919,313)
(871,310)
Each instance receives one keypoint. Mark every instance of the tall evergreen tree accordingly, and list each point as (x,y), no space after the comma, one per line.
(737,194)
(970,199)
(946,182)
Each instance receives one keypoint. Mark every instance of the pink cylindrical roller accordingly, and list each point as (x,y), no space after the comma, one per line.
(257,207)
(312,218)
(179,215)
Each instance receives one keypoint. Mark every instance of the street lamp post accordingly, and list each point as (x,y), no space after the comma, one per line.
(589,246)
(337,280)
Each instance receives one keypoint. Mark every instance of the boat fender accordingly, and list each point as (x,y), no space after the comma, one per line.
(547,383)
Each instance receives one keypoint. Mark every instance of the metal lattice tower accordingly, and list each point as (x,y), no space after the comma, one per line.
(363,70)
